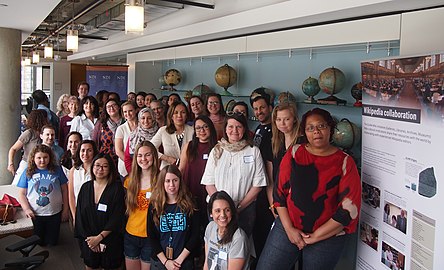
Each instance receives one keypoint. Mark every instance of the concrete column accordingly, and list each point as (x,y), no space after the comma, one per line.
(10,42)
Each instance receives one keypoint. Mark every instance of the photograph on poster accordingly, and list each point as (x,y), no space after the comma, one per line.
(395,216)
(392,258)
(411,88)
(369,235)
(371,195)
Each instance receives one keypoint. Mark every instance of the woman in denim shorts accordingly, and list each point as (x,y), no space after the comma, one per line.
(144,170)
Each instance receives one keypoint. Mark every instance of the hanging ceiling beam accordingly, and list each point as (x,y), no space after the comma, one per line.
(190,3)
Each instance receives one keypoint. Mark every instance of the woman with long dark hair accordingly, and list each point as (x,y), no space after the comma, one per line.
(86,118)
(216,112)
(105,129)
(194,159)
(226,245)
(67,160)
(80,172)
(27,140)
(99,222)
(174,135)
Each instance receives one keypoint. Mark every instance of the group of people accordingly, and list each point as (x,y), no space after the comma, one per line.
(161,185)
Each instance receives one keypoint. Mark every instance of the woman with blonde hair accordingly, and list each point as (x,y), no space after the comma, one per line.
(62,106)
(285,130)
(65,121)
(139,185)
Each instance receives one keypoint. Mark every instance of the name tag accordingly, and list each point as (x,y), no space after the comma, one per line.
(205,156)
(148,195)
(102,207)
(68,123)
(248,159)
(223,255)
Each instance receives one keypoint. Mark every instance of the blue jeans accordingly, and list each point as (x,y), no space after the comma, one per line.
(280,253)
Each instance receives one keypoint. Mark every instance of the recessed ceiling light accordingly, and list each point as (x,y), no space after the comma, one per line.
(3,5)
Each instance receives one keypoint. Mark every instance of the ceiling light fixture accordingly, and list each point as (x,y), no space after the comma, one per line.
(72,35)
(134,16)
(35,57)
(48,51)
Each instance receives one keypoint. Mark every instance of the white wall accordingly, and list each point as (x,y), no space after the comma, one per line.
(60,81)
(422,33)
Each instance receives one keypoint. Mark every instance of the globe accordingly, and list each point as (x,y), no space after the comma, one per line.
(356,92)
(346,134)
(230,105)
(262,91)
(172,77)
(187,96)
(331,80)
(202,90)
(225,77)
(162,81)
(311,88)
(284,97)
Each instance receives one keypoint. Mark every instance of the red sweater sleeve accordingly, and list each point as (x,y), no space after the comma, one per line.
(128,159)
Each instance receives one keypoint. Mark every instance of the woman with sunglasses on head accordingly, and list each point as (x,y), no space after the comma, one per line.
(174,136)
(99,216)
(317,197)
(236,166)
(194,159)
(105,129)
(216,112)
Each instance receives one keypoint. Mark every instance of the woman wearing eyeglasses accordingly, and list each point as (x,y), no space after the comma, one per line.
(236,166)
(105,129)
(216,112)
(317,197)
(194,159)
(99,222)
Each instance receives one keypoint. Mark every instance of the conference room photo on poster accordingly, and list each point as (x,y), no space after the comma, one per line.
(402,165)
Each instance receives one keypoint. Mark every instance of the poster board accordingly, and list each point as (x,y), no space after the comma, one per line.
(110,78)
(402,215)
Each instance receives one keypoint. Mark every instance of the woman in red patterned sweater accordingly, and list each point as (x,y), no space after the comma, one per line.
(317,197)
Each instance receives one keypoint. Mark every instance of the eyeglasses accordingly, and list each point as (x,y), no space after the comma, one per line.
(111,106)
(199,128)
(213,102)
(312,128)
(231,113)
(103,167)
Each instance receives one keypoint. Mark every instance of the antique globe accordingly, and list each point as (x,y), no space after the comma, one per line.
(262,91)
(187,96)
(284,97)
(172,77)
(225,77)
(310,87)
(346,134)
(356,92)
(202,90)
(332,81)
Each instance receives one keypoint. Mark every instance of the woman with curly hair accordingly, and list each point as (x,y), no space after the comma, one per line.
(62,106)
(27,140)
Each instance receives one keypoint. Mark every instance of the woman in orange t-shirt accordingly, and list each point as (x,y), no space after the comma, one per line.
(144,170)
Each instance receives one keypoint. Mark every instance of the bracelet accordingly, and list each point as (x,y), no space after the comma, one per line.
(271,207)
(164,264)
(103,237)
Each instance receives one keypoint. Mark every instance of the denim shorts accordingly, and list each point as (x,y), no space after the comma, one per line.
(136,248)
